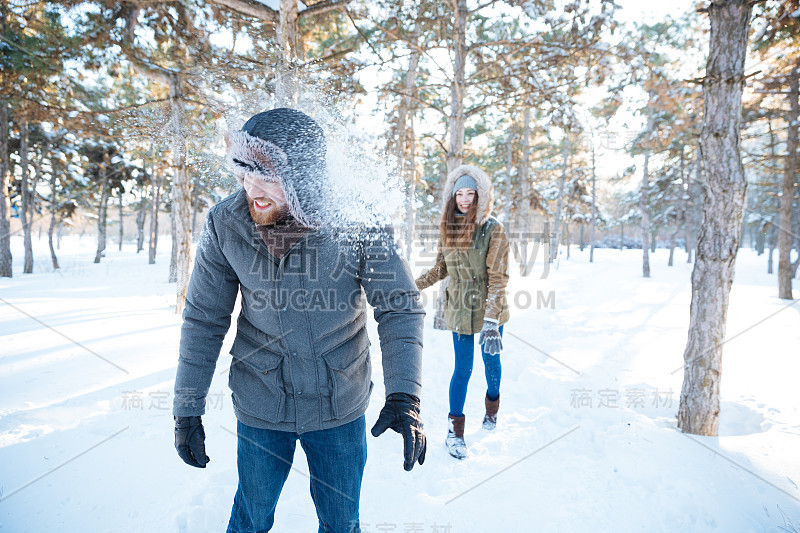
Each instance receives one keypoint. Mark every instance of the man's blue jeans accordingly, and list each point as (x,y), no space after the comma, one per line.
(465,349)
(336,459)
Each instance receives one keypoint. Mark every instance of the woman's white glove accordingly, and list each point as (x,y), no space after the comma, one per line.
(490,338)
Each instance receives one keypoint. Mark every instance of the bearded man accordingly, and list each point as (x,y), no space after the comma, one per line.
(301,367)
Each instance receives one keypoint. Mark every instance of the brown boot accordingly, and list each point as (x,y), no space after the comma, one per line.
(490,418)
(455,437)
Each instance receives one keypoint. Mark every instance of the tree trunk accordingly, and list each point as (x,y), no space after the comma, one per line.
(455,151)
(771,241)
(772,236)
(645,227)
(644,191)
(622,236)
(6,270)
(406,142)
(195,207)
(523,211)
(509,167)
(681,219)
(796,227)
(411,211)
(561,180)
(785,272)
(697,199)
(742,230)
(456,120)
(723,211)
(181,195)
(760,239)
(173,256)
(287,89)
(34,198)
(546,245)
(796,223)
(27,267)
(121,228)
(53,218)
(594,206)
(653,239)
(154,205)
(672,237)
(6,262)
(141,217)
(101,211)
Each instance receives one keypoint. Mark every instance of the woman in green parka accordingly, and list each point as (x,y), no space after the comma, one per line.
(473,251)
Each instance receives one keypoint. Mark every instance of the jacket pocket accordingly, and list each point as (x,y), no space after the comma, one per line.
(349,379)
(256,380)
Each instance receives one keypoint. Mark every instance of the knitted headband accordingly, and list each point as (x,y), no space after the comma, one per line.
(464,182)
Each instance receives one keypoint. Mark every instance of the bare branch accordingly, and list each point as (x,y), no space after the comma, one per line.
(83,112)
(487,4)
(153,72)
(437,140)
(394,35)
(322,7)
(421,101)
(328,57)
(252,9)
(476,45)
(361,33)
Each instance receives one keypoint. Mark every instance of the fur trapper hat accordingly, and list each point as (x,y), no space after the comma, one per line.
(287,146)
(484,187)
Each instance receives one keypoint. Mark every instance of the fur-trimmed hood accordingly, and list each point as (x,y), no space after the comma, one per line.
(287,146)
(485,189)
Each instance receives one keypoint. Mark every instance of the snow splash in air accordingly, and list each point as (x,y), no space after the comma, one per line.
(360,191)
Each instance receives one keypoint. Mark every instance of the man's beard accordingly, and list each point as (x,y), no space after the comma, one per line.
(275,214)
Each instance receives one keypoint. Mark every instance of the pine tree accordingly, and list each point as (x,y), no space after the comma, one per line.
(33,50)
(777,45)
(723,211)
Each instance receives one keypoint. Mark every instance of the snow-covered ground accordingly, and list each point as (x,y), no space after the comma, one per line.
(586,439)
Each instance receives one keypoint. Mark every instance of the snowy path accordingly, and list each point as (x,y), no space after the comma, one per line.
(586,438)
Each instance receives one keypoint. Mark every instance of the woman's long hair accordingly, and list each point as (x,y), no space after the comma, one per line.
(457,229)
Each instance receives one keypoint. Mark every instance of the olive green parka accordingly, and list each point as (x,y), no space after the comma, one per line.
(478,274)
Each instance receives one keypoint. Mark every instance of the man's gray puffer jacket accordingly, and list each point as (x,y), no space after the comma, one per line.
(301,359)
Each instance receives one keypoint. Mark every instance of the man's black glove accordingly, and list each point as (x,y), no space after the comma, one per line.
(190,441)
(401,413)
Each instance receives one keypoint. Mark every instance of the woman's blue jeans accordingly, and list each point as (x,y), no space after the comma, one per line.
(465,349)
(336,459)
